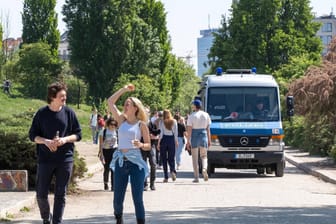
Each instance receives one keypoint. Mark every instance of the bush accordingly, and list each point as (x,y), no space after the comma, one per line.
(294,132)
(18,152)
(317,136)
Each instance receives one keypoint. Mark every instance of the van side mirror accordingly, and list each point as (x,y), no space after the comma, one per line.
(290,106)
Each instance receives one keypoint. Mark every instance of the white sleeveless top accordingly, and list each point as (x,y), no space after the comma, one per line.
(127,133)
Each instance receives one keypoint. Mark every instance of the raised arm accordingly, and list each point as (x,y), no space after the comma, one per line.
(114,98)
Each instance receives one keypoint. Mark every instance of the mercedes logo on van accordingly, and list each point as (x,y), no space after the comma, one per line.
(244,141)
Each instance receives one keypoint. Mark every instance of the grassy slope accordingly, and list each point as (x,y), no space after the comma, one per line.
(15,105)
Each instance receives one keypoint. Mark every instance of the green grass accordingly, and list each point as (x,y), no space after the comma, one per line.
(11,106)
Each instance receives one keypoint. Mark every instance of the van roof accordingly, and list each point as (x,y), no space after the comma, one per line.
(248,80)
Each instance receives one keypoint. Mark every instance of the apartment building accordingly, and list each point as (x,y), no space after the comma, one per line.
(327,30)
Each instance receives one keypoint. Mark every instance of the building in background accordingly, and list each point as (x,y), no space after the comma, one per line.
(63,48)
(10,46)
(204,44)
(327,30)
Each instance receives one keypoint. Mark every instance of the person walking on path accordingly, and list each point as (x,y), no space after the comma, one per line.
(93,122)
(54,129)
(100,126)
(167,144)
(150,155)
(156,127)
(108,143)
(127,161)
(198,135)
(182,133)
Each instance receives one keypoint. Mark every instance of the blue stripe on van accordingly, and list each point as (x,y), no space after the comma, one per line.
(245,128)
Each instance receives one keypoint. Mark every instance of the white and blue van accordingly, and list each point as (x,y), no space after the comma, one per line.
(244,134)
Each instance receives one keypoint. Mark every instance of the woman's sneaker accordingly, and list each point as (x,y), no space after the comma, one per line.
(173,176)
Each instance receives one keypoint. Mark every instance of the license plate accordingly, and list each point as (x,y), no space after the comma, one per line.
(244,156)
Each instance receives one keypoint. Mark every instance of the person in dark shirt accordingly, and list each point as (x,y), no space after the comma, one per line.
(150,155)
(54,129)
(259,111)
(182,133)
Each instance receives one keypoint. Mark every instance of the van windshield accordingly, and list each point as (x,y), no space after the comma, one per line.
(237,104)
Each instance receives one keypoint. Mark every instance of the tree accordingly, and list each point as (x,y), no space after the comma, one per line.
(187,89)
(153,13)
(314,95)
(110,38)
(266,40)
(146,89)
(2,54)
(222,49)
(39,21)
(38,67)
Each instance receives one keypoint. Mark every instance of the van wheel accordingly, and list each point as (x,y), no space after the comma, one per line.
(269,170)
(279,169)
(260,171)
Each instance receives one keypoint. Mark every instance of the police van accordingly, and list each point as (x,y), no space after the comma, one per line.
(246,129)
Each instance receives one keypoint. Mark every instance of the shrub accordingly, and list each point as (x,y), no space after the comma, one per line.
(319,135)
(294,131)
(18,152)
(313,135)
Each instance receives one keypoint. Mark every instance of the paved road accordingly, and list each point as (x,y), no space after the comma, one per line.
(233,196)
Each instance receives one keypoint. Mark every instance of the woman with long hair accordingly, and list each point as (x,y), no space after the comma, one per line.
(127,162)
(167,144)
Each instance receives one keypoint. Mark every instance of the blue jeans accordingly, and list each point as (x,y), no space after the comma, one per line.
(45,172)
(179,150)
(94,134)
(137,176)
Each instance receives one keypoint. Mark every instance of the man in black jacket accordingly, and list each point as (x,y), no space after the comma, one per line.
(54,129)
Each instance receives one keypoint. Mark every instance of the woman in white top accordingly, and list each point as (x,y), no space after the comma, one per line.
(93,125)
(167,144)
(127,162)
(107,145)
(198,135)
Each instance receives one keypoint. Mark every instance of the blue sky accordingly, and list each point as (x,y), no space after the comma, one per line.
(185,18)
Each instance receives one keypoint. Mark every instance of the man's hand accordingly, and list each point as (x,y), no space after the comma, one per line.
(188,146)
(61,141)
(51,144)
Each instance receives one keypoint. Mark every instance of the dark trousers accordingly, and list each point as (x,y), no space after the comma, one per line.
(167,153)
(154,143)
(150,156)
(108,153)
(45,172)
(6,90)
